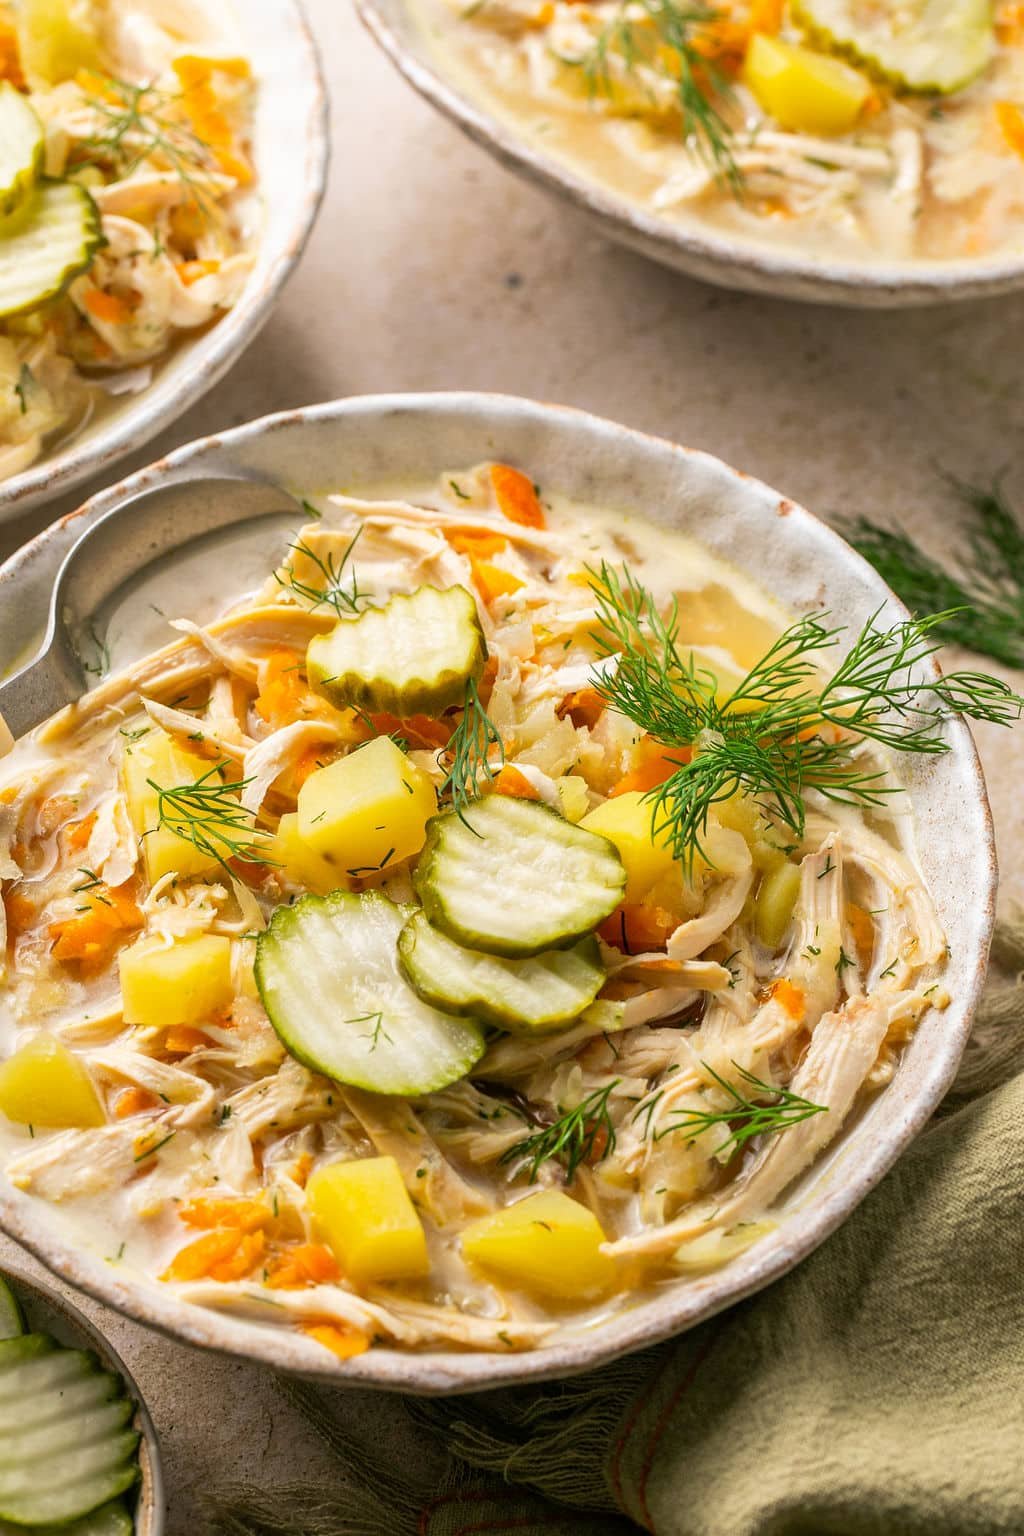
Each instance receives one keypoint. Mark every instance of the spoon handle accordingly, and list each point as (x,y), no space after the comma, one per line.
(35,693)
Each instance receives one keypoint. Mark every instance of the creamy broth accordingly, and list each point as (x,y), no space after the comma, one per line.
(197,1160)
(925,177)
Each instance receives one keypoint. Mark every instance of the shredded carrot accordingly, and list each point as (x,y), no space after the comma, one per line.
(77,835)
(635,928)
(792,998)
(301,1168)
(10,58)
(340,1339)
(478,543)
(765,15)
(90,937)
(863,930)
(515,784)
(225,1254)
(517,496)
(1010,118)
(492,582)
(584,707)
(307,1264)
(245,1215)
(181,1039)
(199,103)
(134,1101)
(284,694)
(656,764)
(191,271)
(108,307)
(418,730)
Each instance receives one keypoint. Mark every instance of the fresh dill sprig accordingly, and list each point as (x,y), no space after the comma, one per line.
(139,121)
(987,596)
(581,1135)
(334,593)
(468,752)
(665,36)
(786,728)
(207,814)
(745,1117)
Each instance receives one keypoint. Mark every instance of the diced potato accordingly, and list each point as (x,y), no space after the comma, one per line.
(362,1211)
(804,91)
(44,1083)
(573,796)
(155,756)
(547,1243)
(300,863)
(367,810)
(627,822)
(185,982)
(776,898)
(56,38)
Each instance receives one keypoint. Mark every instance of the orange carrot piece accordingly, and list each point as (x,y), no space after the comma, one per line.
(765,15)
(301,1169)
(863,930)
(191,271)
(181,1039)
(134,1101)
(245,1215)
(584,707)
(306,1264)
(790,997)
(77,835)
(338,1338)
(21,913)
(636,928)
(1010,118)
(492,582)
(90,937)
(418,730)
(656,764)
(108,307)
(517,496)
(476,542)
(515,784)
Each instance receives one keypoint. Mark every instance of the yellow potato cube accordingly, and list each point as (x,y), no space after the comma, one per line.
(44,1083)
(300,863)
(776,898)
(362,1211)
(367,810)
(156,757)
(547,1243)
(804,91)
(185,982)
(627,822)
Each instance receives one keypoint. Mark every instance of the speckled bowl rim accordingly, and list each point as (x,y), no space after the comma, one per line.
(214,350)
(492,419)
(727,261)
(151,1509)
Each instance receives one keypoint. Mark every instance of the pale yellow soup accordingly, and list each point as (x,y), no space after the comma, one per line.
(186,1144)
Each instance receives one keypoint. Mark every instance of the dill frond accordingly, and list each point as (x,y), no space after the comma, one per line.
(746,1117)
(334,593)
(581,1135)
(985,602)
(664,35)
(786,728)
(207,814)
(139,122)
(468,752)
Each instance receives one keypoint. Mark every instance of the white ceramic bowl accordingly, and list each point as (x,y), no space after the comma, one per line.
(290,151)
(699,251)
(806,566)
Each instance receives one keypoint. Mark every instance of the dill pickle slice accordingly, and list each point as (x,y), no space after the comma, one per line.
(51,238)
(21,149)
(413,656)
(927,47)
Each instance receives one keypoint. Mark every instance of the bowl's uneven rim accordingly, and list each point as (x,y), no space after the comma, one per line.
(215,349)
(152,1499)
(680,1306)
(723,259)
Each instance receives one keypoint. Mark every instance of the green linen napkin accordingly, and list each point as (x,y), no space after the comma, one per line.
(877,1390)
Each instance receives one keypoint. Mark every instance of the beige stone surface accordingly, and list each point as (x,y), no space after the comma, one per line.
(432,268)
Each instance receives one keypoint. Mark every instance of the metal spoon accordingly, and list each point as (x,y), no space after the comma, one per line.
(109,553)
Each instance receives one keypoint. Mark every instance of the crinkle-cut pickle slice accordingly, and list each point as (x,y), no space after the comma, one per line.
(413,656)
(512,877)
(527,996)
(929,47)
(50,240)
(21,149)
(327,972)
